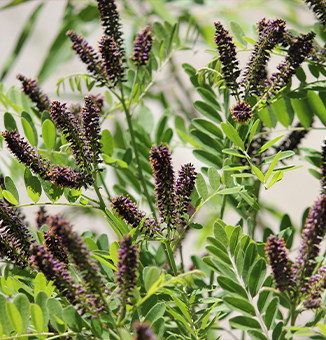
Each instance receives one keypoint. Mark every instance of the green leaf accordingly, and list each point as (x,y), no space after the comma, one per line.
(14,317)
(56,315)
(219,255)
(234,239)
(34,189)
(239,305)
(214,178)
(9,197)
(107,143)
(37,317)
(257,276)
(303,111)
(231,287)
(208,158)
(268,144)
(155,312)
(72,319)
(158,327)
(207,127)
(256,335)
(161,126)
(114,252)
(233,152)
(281,113)
(9,122)
(317,106)
(22,303)
(238,33)
(244,323)
(209,97)
(72,195)
(271,312)
(272,166)
(151,276)
(183,308)
(249,259)
(52,191)
(180,125)
(145,118)
(90,243)
(206,141)
(48,134)
(277,331)
(208,111)
(258,173)
(232,134)
(201,186)
(124,334)
(30,128)
(277,177)
(28,27)
(11,187)
(252,132)
(220,233)
(284,155)
(97,327)
(5,322)
(41,300)
(231,191)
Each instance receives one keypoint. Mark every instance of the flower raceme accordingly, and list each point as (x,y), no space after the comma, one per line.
(142,47)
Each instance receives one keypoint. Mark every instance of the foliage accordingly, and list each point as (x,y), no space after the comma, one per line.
(56,283)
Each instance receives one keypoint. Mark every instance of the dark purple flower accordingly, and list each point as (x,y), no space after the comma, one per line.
(33,91)
(160,160)
(41,217)
(143,331)
(228,56)
(323,168)
(142,47)
(315,287)
(312,236)
(184,187)
(92,129)
(270,34)
(132,215)
(279,260)
(241,112)
(293,140)
(111,60)
(98,101)
(111,23)
(88,56)
(319,8)
(126,275)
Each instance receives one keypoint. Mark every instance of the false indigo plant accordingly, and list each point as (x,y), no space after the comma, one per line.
(136,283)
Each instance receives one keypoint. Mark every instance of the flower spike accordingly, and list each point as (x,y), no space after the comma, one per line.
(241,112)
(319,8)
(142,47)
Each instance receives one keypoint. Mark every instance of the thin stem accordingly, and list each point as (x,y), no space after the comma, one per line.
(134,145)
(171,258)
(104,186)
(54,203)
(223,207)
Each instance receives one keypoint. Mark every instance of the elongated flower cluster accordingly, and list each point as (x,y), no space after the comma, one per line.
(312,236)
(143,331)
(161,163)
(241,112)
(293,140)
(111,60)
(92,130)
(98,101)
(132,215)
(298,51)
(15,238)
(270,34)
(55,270)
(41,217)
(111,22)
(319,8)
(315,288)
(87,55)
(68,124)
(126,275)
(279,260)
(323,168)
(184,186)
(34,92)
(81,256)
(228,56)
(142,47)
(61,176)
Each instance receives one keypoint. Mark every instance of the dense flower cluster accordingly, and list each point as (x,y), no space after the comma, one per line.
(161,163)
(143,331)
(270,34)
(314,289)
(69,126)
(33,91)
(61,176)
(228,56)
(323,168)
(312,236)
(87,55)
(132,215)
(126,275)
(241,112)
(142,47)
(279,260)
(319,8)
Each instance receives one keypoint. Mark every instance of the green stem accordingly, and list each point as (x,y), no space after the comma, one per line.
(102,204)
(171,258)
(104,186)
(223,205)
(53,203)
(134,145)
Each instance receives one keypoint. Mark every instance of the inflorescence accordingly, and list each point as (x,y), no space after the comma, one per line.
(142,47)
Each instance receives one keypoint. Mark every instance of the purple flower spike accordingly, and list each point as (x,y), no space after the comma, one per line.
(160,160)
(312,236)
(323,168)
(315,289)
(142,47)
(319,8)
(228,56)
(131,214)
(241,112)
(278,258)
(126,275)
(33,91)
